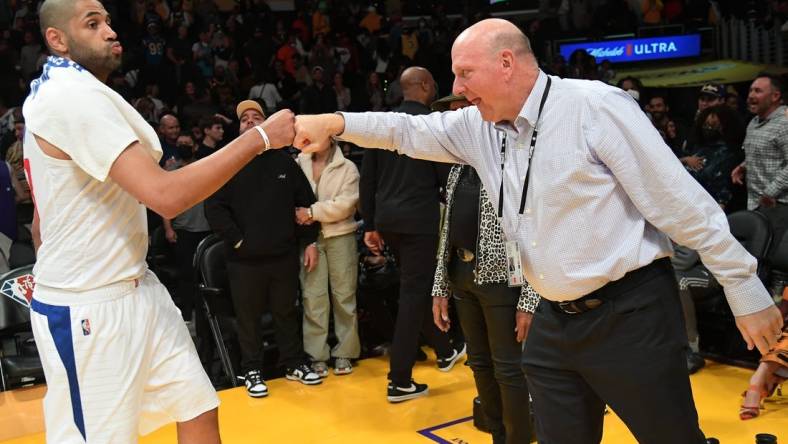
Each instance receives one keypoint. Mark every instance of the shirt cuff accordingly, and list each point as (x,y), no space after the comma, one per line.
(529,299)
(440,289)
(357,130)
(352,125)
(748,296)
(238,245)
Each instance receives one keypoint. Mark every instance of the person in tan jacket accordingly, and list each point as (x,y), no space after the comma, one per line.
(335,181)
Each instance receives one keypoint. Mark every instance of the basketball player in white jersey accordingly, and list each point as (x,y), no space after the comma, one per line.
(118,359)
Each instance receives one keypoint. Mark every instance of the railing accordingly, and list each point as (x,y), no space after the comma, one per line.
(751,41)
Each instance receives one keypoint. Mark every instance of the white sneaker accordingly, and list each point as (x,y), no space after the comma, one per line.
(303,374)
(447,364)
(255,386)
(412,391)
(342,366)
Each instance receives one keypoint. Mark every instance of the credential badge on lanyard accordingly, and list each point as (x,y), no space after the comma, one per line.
(514,265)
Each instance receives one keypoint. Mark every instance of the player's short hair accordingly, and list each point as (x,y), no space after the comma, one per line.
(55,14)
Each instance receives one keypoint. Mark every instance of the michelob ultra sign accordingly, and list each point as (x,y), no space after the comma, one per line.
(637,50)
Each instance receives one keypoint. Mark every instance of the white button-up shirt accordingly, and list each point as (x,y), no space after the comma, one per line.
(604,188)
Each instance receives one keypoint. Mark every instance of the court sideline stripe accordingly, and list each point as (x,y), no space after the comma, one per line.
(429,435)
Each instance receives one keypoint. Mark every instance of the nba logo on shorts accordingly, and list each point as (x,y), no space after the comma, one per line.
(85,327)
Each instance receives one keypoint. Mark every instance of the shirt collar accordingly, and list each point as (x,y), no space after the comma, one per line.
(529,113)
(780,110)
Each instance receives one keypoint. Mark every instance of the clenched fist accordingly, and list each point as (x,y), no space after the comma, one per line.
(280,128)
(313,133)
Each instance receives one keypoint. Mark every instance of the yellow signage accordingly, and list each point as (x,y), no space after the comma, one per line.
(698,74)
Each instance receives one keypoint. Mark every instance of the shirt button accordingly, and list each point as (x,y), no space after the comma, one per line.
(527,211)
(541,276)
(533,244)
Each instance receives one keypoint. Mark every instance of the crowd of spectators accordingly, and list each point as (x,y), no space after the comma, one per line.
(188,63)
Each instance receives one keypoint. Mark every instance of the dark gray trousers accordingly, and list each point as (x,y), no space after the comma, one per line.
(487,315)
(629,353)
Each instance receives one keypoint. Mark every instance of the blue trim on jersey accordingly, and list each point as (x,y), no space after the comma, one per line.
(59,320)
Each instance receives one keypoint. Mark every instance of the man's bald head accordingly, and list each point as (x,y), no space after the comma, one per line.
(169,128)
(494,68)
(56,14)
(417,85)
(414,76)
(168,119)
(494,35)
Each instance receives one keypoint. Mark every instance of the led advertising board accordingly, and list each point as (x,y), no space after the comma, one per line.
(637,50)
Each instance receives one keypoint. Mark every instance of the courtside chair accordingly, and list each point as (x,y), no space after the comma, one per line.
(19,361)
(778,258)
(716,325)
(753,230)
(213,290)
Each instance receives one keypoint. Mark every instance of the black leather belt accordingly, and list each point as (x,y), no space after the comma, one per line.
(465,255)
(609,291)
(579,306)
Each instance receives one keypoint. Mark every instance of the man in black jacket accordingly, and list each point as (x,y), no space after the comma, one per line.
(319,97)
(253,214)
(400,202)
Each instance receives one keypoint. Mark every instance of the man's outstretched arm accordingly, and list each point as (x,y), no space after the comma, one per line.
(439,137)
(137,173)
(169,193)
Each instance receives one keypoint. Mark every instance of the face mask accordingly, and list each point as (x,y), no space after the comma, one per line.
(185,152)
(634,93)
(711,134)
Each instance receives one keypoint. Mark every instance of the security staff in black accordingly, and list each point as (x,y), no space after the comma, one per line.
(400,203)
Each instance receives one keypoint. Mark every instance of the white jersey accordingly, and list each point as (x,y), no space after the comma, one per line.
(93,232)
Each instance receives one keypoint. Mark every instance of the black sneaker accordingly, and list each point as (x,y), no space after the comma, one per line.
(446,364)
(398,394)
(255,386)
(695,362)
(303,374)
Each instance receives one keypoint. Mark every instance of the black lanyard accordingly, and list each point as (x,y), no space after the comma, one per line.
(530,155)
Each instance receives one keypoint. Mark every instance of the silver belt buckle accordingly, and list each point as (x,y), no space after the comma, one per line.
(568,307)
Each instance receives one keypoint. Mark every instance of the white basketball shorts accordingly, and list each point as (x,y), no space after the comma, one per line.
(118,361)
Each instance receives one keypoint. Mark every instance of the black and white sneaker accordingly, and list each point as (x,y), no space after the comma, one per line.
(255,386)
(446,364)
(413,390)
(304,374)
